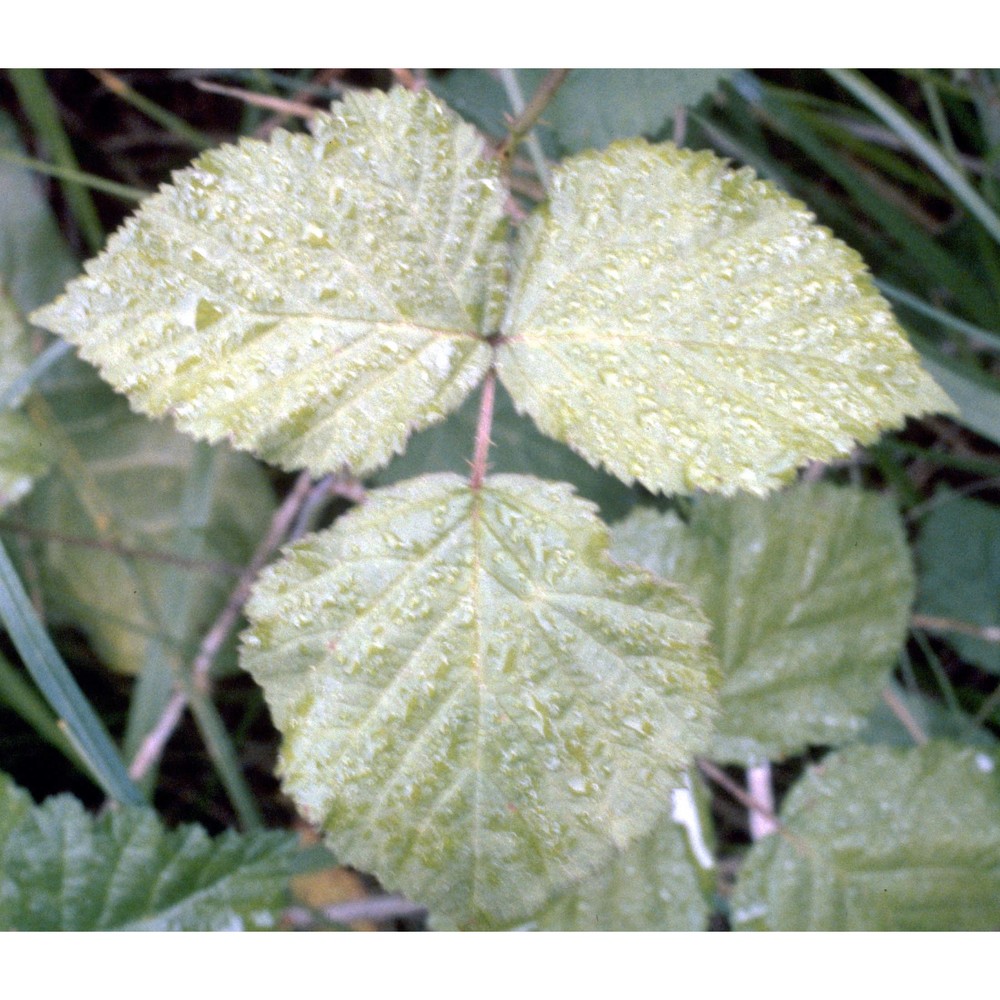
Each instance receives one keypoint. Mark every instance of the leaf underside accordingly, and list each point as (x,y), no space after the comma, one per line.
(314,299)
(809,594)
(63,870)
(477,704)
(880,839)
(690,327)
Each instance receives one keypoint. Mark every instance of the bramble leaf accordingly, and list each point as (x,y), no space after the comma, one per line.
(690,327)
(477,704)
(809,594)
(62,869)
(881,839)
(314,299)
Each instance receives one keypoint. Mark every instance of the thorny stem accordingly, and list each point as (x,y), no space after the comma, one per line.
(483,428)
(527,114)
(152,745)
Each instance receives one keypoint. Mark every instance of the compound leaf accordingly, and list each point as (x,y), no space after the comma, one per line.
(881,839)
(809,595)
(958,552)
(314,299)
(62,869)
(477,704)
(688,326)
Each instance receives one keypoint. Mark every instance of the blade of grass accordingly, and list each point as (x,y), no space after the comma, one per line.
(19,387)
(166,119)
(40,107)
(83,727)
(906,242)
(982,338)
(81,177)
(22,698)
(924,148)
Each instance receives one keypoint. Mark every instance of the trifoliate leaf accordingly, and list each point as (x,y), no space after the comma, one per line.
(477,704)
(63,870)
(690,327)
(880,839)
(315,298)
(109,513)
(809,595)
(959,556)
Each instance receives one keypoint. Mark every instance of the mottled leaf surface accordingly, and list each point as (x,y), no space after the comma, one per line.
(315,298)
(809,594)
(113,504)
(63,870)
(877,839)
(653,885)
(691,327)
(958,552)
(477,704)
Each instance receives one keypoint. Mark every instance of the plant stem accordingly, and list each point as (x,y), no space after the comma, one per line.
(527,115)
(761,788)
(905,716)
(931,623)
(152,745)
(483,427)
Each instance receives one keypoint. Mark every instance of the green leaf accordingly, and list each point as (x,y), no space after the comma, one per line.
(477,704)
(314,299)
(518,447)
(958,552)
(118,485)
(976,394)
(653,885)
(809,595)
(690,327)
(593,107)
(881,839)
(62,869)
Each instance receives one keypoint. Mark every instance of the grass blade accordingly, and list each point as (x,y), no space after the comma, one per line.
(928,151)
(83,727)
(40,107)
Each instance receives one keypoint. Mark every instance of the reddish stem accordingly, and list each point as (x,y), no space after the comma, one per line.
(483,428)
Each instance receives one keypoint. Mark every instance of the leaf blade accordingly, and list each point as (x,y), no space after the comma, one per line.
(881,839)
(435,724)
(695,329)
(330,294)
(809,594)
